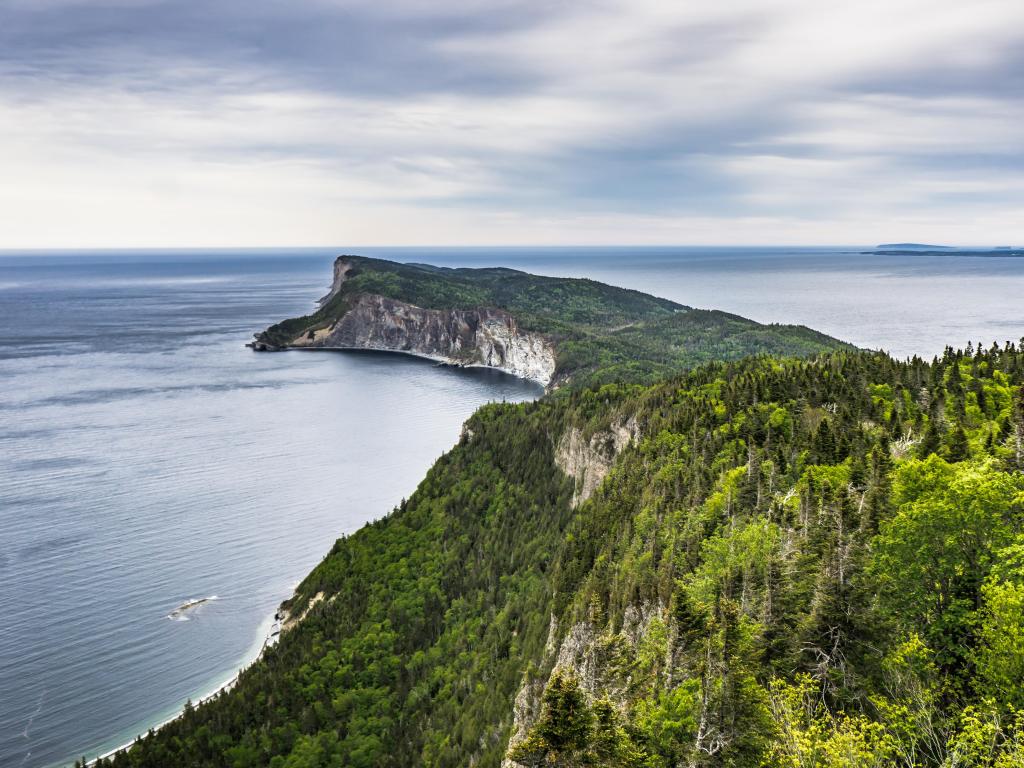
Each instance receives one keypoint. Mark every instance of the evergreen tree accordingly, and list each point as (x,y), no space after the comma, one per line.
(1018,427)
(958,448)
(562,735)
(932,440)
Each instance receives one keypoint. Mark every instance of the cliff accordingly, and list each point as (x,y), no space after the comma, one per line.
(342,266)
(477,337)
(588,460)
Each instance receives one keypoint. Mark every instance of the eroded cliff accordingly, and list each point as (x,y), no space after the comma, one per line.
(553,330)
(475,337)
(589,459)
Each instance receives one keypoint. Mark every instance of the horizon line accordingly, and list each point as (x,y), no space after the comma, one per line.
(532,246)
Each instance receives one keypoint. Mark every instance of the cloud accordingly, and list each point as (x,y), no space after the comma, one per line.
(150,122)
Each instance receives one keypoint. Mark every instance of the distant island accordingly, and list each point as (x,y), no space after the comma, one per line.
(548,329)
(912,247)
(946,250)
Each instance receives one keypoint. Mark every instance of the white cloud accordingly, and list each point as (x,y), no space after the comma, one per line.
(746,121)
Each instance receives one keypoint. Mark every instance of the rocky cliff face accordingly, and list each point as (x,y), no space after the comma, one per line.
(601,660)
(589,461)
(342,266)
(474,337)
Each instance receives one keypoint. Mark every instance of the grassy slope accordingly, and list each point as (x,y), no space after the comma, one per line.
(602,333)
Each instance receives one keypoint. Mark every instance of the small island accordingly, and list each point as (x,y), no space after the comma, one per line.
(912,247)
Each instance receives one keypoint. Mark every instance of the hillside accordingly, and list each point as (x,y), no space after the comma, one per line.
(789,563)
(549,329)
(766,562)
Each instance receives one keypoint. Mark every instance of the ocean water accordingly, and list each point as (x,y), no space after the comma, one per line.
(148,458)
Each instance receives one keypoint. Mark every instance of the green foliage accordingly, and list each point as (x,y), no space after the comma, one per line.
(667,723)
(746,554)
(987,739)
(602,334)
(776,572)
(573,732)
(933,556)
(810,736)
(909,706)
(1001,657)
(563,735)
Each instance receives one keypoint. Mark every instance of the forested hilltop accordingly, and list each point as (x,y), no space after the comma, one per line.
(551,329)
(788,563)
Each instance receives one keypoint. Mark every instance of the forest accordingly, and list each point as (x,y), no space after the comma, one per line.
(805,563)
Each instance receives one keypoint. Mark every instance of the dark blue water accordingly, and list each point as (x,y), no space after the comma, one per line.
(147,457)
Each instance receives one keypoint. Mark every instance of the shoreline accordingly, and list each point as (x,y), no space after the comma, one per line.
(271,637)
(449,362)
(280,621)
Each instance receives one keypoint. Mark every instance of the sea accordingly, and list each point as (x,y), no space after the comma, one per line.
(149,459)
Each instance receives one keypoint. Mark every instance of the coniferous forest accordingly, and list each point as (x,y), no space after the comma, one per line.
(794,563)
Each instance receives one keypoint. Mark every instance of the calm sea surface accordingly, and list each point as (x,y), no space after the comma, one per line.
(147,457)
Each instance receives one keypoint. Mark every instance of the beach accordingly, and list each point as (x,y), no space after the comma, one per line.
(270,631)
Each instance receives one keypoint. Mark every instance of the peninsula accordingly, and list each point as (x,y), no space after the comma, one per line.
(548,329)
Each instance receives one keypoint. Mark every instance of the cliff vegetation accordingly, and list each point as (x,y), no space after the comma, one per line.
(811,563)
(766,560)
(550,329)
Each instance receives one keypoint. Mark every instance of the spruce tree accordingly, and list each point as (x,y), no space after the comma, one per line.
(562,735)
(958,449)
(1018,428)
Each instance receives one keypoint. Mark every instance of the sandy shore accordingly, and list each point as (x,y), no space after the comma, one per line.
(271,637)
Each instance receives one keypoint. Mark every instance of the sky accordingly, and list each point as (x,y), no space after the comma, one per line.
(131,123)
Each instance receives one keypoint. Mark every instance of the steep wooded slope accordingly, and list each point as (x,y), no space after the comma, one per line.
(793,563)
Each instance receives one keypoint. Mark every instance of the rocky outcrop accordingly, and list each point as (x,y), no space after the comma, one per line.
(288,621)
(342,266)
(471,337)
(588,461)
(602,662)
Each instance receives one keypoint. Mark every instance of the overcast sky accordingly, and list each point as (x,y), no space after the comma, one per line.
(358,122)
